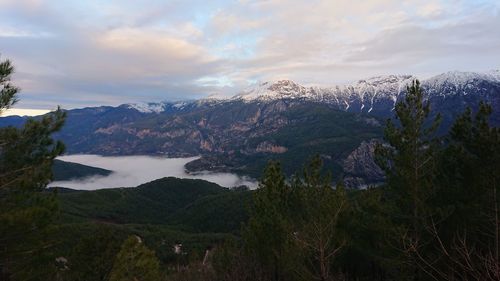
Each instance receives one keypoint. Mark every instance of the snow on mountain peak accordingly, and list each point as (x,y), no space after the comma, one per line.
(291,90)
(387,86)
(455,77)
(391,85)
(365,93)
(147,107)
(274,90)
(387,79)
(215,96)
(458,82)
(494,74)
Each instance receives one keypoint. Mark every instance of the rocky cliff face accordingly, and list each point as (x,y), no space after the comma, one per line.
(268,147)
(360,169)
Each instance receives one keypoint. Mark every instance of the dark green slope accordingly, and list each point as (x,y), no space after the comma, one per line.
(223,212)
(90,247)
(150,203)
(93,224)
(63,170)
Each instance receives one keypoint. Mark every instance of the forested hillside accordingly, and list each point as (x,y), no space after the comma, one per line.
(62,170)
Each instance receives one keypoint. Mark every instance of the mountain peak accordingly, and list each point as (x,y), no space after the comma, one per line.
(274,90)
(282,83)
(286,87)
(462,78)
(366,92)
(387,79)
(147,107)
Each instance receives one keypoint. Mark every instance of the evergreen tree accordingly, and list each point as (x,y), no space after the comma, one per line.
(318,232)
(293,229)
(8,92)
(409,160)
(26,156)
(92,258)
(370,254)
(135,262)
(469,237)
(268,234)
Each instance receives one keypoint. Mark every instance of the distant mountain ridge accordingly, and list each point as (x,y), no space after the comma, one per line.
(377,94)
(279,120)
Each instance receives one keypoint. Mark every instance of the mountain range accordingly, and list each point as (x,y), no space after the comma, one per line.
(280,120)
(376,95)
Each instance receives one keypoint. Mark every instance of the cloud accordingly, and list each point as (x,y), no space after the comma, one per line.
(133,41)
(430,10)
(114,65)
(131,171)
(327,42)
(462,46)
(24,112)
(223,24)
(90,53)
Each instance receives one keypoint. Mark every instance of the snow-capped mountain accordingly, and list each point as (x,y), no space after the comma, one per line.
(385,86)
(376,95)
(283,89)
(150,107)
(460,83)
(163,107)
(449,92)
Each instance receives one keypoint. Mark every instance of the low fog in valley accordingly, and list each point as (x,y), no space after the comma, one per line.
(131,171)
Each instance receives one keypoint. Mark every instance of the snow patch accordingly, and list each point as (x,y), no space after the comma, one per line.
(147,107)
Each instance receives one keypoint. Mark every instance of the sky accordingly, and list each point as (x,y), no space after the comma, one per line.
(89,53)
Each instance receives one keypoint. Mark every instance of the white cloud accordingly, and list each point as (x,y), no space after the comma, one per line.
(131,171)
(126,51)
(430,10)
(24,112)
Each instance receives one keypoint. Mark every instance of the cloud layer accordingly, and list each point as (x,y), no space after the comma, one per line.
(131,171)
(83,53)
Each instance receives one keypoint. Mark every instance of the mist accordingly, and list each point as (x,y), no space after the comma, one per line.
(131,171)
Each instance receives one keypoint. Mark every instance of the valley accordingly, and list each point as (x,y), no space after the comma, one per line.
(279,120)
(249,140)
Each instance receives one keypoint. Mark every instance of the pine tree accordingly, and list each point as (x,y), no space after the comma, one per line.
(26,156)
(8,92)
(469,185)
(317,226)
(293,230)
(92,257)
(409,159)
(268,233)
(135,262)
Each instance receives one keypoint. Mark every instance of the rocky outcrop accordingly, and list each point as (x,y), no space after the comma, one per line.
(360,169)
(268,147)
(206,145)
